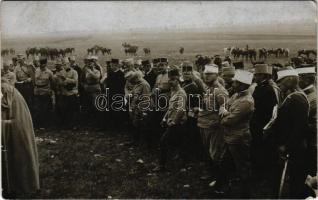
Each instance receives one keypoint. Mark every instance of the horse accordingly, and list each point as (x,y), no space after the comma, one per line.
(146,51)
(307,52)
(181,50)
(262,54)
(272,52)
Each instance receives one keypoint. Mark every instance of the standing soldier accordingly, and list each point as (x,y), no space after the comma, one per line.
(14,64)
(116,87)
(140,103)
(290,126)
(58,78)
(160,93)
(266,96)
(150,74)
(91,85)
(7,74)
(25,78)
(227,75)
(174,119)
(235,119)
(43,93)
(208,118)
(192,134)
(69,92)
(307,82)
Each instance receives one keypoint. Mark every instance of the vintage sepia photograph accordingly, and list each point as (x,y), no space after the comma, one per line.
(158,99)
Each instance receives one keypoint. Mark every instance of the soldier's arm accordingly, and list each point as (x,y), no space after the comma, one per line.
(235,116)
(73,79)
(180,107)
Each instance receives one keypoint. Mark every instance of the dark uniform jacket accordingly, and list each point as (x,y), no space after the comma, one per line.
(192,91)
(116,82)
(265,98)
(151,77)
(292,120)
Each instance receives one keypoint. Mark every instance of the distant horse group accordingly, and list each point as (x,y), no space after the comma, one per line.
(263,53)
(307,52)
(96,49)
(6,52)
(51,53)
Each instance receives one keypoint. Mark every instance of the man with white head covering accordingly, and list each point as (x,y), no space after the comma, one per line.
(266,96)
(289,127)
(307,82)
(215,97)
(235,117)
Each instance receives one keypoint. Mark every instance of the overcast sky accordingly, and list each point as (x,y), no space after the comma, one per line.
(24,18)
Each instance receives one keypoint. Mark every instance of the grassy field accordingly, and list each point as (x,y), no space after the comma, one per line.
(87,163)
(166,44)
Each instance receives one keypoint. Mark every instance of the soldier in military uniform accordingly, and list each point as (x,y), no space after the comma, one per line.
(58,78)
(227,75)
(150,74)
(14,64)
(174,119)
(43,93)
(214,97)
(91,84)
(290,130)
(24,84)
(235,117)
(140,104)
(266,96)
(160,94)
(307,82)
(116,86)
(69,95)
(192,134)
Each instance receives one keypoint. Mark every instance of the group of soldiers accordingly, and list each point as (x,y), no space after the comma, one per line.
(232,117)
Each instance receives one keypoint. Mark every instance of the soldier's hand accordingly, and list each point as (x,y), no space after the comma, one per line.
(282,151)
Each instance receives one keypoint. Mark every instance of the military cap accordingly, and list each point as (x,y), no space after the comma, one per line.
(156,60)
(94,58)
(72,58)
(211,68)
(238,65)
(228,71)
(114,61)
(306,69)
(43,61)
(263,69)
(163,60)
(187,66)
(145,62)
(243,76)
(285,72)
(173,72)
(20,56)
(226,64)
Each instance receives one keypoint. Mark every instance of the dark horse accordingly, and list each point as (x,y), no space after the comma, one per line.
(307,52)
